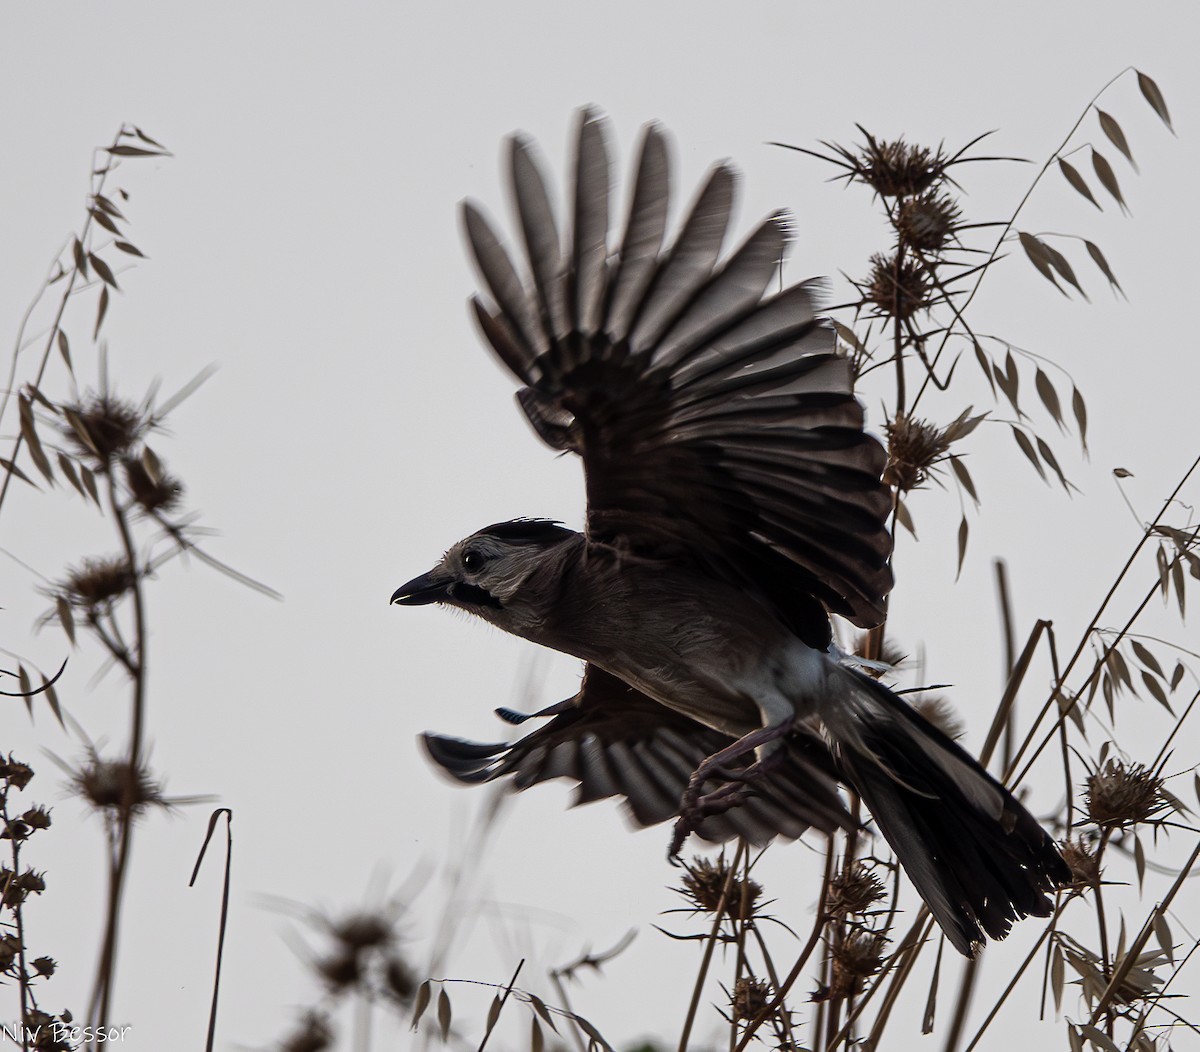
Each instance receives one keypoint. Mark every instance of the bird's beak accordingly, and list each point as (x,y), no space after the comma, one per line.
(432,587)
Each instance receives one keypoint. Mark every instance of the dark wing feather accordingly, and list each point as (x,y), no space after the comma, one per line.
(714,424)
(615,741)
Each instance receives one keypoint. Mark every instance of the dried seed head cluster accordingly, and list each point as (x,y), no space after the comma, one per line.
(855,959)
(897,286)
(15,888)
(750,997)
(96,583)
(363,956)
(14,772)
(110,786)
(103,427)
(896,169)
(1083,862)
(914,447)
(938,711)
(312,1034)
(152,492)
(1120,795)
(927,222)
(704,884)
(854,891)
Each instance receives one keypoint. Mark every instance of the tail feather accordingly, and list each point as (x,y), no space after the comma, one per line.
(977,857)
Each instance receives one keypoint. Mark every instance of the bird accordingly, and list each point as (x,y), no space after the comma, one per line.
(735,503)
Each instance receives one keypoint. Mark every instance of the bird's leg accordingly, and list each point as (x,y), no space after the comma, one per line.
(696,806)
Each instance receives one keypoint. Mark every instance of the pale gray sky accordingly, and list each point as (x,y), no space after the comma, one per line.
(304,238)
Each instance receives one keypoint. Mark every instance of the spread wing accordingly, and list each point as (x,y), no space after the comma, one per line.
(615,741)
(714,420)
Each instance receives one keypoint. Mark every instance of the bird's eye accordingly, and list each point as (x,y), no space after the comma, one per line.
(473,561)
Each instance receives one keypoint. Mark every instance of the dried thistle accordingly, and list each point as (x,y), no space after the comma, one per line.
(96,583)
(1120,795)
(704,883)
(855,958)
(854,891)
(893,169)
(102,427)
(341,969)
(928,221)
(750,998)
(364,930)
(152,491)
(1083,861)
(937,710)
(313,1034)
(898,287)
(914,447)
(112,786)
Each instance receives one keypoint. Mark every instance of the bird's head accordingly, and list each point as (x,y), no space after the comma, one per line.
(499,573)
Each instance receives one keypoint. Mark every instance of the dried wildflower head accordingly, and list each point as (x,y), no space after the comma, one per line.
(152,491)
(856,958)
(750,998)
(364,929)
(854,891)
(111,786)
(914,447)
(313,1034)
(1083,862)
(928,221)
(44,966)
(102,427)
(898,287)
(937,710)
(16,773)
(1120,795)
(96,583)
(704,883)
(341,969)
(895,169)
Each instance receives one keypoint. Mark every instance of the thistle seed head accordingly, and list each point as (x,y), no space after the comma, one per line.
(704,883)
(898,290)
(914,447)
(928,221)
(1120,795)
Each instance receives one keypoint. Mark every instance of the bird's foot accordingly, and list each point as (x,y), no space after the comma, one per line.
(695,808)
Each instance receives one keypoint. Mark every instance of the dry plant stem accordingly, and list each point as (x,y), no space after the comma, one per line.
(1102,923)
(781,991)
(1002,717)
(565,1001)
(54,326)
(1175,730)
(1004,232)
(709,945)
(1130,957)
(1057,688)
(910,951)
(740,922)
(773,975)
(212,825)
(19,921)
(915,932)
(119,868)
(503,1000)
(1140,1025)
(1037,946)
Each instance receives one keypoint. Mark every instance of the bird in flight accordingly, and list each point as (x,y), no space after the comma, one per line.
(734,502)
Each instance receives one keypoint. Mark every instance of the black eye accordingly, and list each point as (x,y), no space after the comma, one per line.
(473,561)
